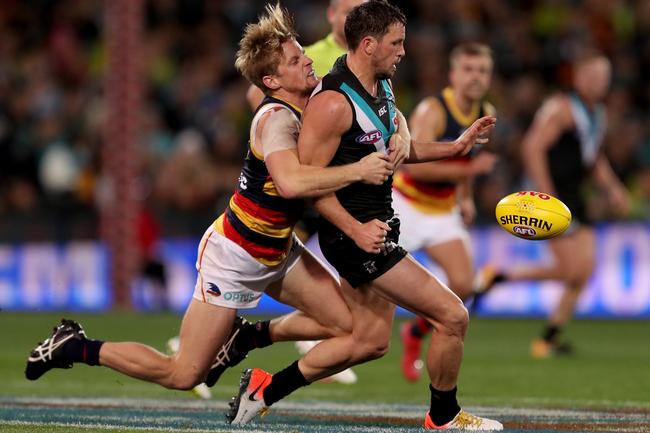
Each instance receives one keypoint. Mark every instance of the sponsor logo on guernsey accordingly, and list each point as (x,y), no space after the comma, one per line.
(382,111)
(370,137)
(212,289)
(240,297)
(524,231)
(243,182)
(524,220)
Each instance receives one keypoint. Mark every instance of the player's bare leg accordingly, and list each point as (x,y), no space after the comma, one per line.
(411,286)
(456,262)
(204,329)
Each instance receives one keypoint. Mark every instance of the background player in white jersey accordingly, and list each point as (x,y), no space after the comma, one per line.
(434,200)
(561,151)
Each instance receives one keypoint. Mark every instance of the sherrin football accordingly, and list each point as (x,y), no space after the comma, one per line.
(533,215)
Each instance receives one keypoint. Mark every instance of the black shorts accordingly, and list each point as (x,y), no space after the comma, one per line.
(577,206)
(354,264)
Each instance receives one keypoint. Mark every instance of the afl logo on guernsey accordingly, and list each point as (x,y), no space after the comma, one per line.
(370,137)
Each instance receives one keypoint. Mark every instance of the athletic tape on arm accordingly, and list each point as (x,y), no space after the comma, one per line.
(280,132)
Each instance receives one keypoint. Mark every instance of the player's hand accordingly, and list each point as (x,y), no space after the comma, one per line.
(467,210)
(371,236)
(399,147)
(477,133)
(375,168)
(483,163)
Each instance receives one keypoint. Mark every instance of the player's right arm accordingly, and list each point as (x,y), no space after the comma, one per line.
(276,141)
(327,117)
(551,120)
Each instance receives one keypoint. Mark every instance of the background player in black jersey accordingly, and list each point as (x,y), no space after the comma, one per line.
(561,151)
(434,200)
(353,114)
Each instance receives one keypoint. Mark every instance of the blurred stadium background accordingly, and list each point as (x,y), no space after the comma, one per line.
(123,125)
(122,128)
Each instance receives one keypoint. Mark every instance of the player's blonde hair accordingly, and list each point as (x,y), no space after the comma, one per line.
(260,49)
(469,49)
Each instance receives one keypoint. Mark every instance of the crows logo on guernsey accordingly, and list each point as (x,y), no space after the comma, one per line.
(212,289)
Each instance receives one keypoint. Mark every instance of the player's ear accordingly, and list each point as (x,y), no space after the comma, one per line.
(369,45)
(271,81)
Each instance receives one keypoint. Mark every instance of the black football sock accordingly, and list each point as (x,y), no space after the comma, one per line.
(420,327)
(444,406)
(284,383)
(550,333)
(499,278)
(262,334)
(253,336)
(84,350)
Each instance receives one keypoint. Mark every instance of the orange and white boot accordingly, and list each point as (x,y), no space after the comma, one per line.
(464,421)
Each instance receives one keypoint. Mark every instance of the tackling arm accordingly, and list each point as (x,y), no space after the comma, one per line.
(293,180)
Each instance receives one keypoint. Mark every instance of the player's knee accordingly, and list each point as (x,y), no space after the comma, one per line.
(368,348)
(184,379)
(371,351)
(455,321)
(577,278)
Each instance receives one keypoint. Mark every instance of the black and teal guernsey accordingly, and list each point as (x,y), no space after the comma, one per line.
(374,121)
(572,158)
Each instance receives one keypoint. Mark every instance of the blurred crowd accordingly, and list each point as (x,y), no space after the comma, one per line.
(195,118)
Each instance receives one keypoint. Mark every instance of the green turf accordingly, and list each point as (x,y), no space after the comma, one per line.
(610,368)
(6,428)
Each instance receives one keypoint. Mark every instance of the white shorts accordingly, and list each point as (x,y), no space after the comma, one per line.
(421,230)
(230,277)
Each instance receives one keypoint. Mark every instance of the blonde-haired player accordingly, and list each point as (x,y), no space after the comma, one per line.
(323,52)
(434,199)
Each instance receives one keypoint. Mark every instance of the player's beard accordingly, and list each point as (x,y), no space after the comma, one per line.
(385,75)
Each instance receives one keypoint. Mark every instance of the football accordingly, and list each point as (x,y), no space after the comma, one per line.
(533,215)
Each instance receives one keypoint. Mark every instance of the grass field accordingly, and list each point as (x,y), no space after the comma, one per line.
(604,387)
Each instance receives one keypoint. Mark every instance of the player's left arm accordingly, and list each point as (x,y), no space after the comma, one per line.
(434,150)
(605,177)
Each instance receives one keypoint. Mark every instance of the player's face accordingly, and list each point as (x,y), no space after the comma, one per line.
(337,13)
(592,79)
(295,72)
(389,52)
(471,76)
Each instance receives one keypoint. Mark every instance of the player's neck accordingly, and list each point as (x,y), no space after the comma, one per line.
(464,104)
(297,100)
(362,69)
